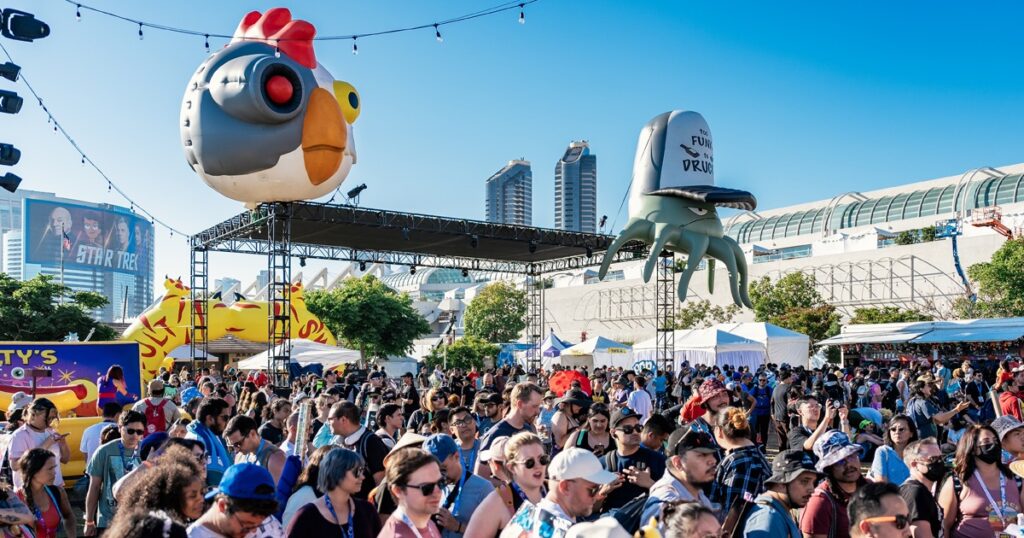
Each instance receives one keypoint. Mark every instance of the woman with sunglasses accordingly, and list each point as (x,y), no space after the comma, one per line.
(416,483)
(527,464)
(433,401)
(307,486)
(594,435)
(340,476)
(982,496)
(888,465)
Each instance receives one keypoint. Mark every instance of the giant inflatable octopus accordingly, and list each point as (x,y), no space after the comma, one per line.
(672,201)
(263,121)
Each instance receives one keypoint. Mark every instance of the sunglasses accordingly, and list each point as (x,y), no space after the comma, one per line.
(592,490)
(630,429)
(899,521)
(428,488)
(542,460)
(132,431)
(237,445)
(437,398)
(898,430)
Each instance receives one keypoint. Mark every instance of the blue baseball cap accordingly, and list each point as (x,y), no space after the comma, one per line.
(246,481)
(441,446)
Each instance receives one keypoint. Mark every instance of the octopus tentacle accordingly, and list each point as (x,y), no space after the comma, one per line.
(741,267)
(695,245)
(717,248)
(635,229)
(664,233)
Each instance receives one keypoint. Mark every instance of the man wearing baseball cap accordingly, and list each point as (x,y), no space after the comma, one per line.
(690,467)
(574,478)
(159,411)
(463,490)
(242,502)
(639,466)
(789,489)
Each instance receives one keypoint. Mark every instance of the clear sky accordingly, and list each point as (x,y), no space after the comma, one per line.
(805,99)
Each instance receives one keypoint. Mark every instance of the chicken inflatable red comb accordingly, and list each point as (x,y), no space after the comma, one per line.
(263,121)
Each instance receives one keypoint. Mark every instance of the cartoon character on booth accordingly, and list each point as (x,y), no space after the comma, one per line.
(263,121)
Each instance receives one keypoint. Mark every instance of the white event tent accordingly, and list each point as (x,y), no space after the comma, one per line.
(782,345)
(706,346)
(593,353)
(306,352)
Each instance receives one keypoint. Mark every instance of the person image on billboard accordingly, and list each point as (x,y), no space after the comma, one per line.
(88,249)
(57,234)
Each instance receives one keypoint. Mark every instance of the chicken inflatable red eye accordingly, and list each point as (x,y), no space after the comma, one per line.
(261,119)
(279,89)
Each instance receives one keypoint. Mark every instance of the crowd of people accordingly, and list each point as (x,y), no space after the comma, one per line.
(772,451)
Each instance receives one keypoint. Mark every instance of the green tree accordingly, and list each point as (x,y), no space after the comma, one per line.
(702,314)
(887,314)
(999,284)
(33,311)
(794,303)
(365,314)
(465,353)
(497,314)
(927,234)
(906,237)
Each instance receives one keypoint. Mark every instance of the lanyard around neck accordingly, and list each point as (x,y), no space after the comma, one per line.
(998,509)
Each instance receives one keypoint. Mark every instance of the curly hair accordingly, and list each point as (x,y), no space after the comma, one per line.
(160,488)
(142,523)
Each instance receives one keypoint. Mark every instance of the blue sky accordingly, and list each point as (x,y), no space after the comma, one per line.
(805,99)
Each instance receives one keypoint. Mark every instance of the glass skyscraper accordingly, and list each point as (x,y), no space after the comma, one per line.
(576,189)
(510,194)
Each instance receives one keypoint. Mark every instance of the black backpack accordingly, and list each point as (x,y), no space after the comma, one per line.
(628,515)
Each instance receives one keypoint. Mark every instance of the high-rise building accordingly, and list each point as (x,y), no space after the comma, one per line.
(88,246)
(510,194)
(576,189)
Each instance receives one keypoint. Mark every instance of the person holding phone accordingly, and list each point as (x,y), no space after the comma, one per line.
(38,432)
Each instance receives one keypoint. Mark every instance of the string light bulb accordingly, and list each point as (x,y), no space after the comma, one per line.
(206,43)
(522,14)
(140,31)
(78,12)
(109,186)
(355,47)
(437,34)
(83,159)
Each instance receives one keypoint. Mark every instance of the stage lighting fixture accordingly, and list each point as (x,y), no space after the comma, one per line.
(10,103)
(405,233)
(465,273)
(22,26)
(590,252)
(533,247)
(9,155)
(604,220)
(355,192)
(362,266)
(302,261)
(412,269)
(10,182)
(474,241)
(9,71)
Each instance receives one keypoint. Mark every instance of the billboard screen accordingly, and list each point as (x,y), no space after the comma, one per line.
(86,237)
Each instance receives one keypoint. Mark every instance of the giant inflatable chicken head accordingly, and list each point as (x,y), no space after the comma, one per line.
(263,121)
(673,202)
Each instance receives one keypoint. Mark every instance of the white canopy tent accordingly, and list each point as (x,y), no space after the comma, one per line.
(552,346)
(593,353)
(184,354)
(395,366)
(782,345)
(305,352)
(713,347)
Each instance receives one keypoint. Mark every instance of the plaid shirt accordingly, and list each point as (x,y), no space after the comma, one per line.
(743,470)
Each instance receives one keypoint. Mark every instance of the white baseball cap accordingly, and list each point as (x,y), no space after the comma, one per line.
(605,527)
(496,451)
(578,463)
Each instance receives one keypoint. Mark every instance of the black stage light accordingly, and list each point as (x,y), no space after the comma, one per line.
(302,261)
(9,71)
(465,273)
(533,247)
(22,26)
(590,252)
(412,269)
(405,233)
(9,155)
(10,103)
(474,241)
(362,266)
(10,182)
(355,192)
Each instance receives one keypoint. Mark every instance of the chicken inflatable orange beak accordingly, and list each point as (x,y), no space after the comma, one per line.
(263,121)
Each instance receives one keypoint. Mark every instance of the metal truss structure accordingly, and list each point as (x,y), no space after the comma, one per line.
(282,231)
(665,291)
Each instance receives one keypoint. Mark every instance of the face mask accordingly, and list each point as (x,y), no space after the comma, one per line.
(990,453)
(936,470)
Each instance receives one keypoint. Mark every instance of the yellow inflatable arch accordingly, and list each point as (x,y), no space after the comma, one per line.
(167,325)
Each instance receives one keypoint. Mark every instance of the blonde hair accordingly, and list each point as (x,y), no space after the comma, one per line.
(734,422)
(522,392)
(518,441)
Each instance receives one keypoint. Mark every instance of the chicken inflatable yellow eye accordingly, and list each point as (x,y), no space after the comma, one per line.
(348,98)
(263,121)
